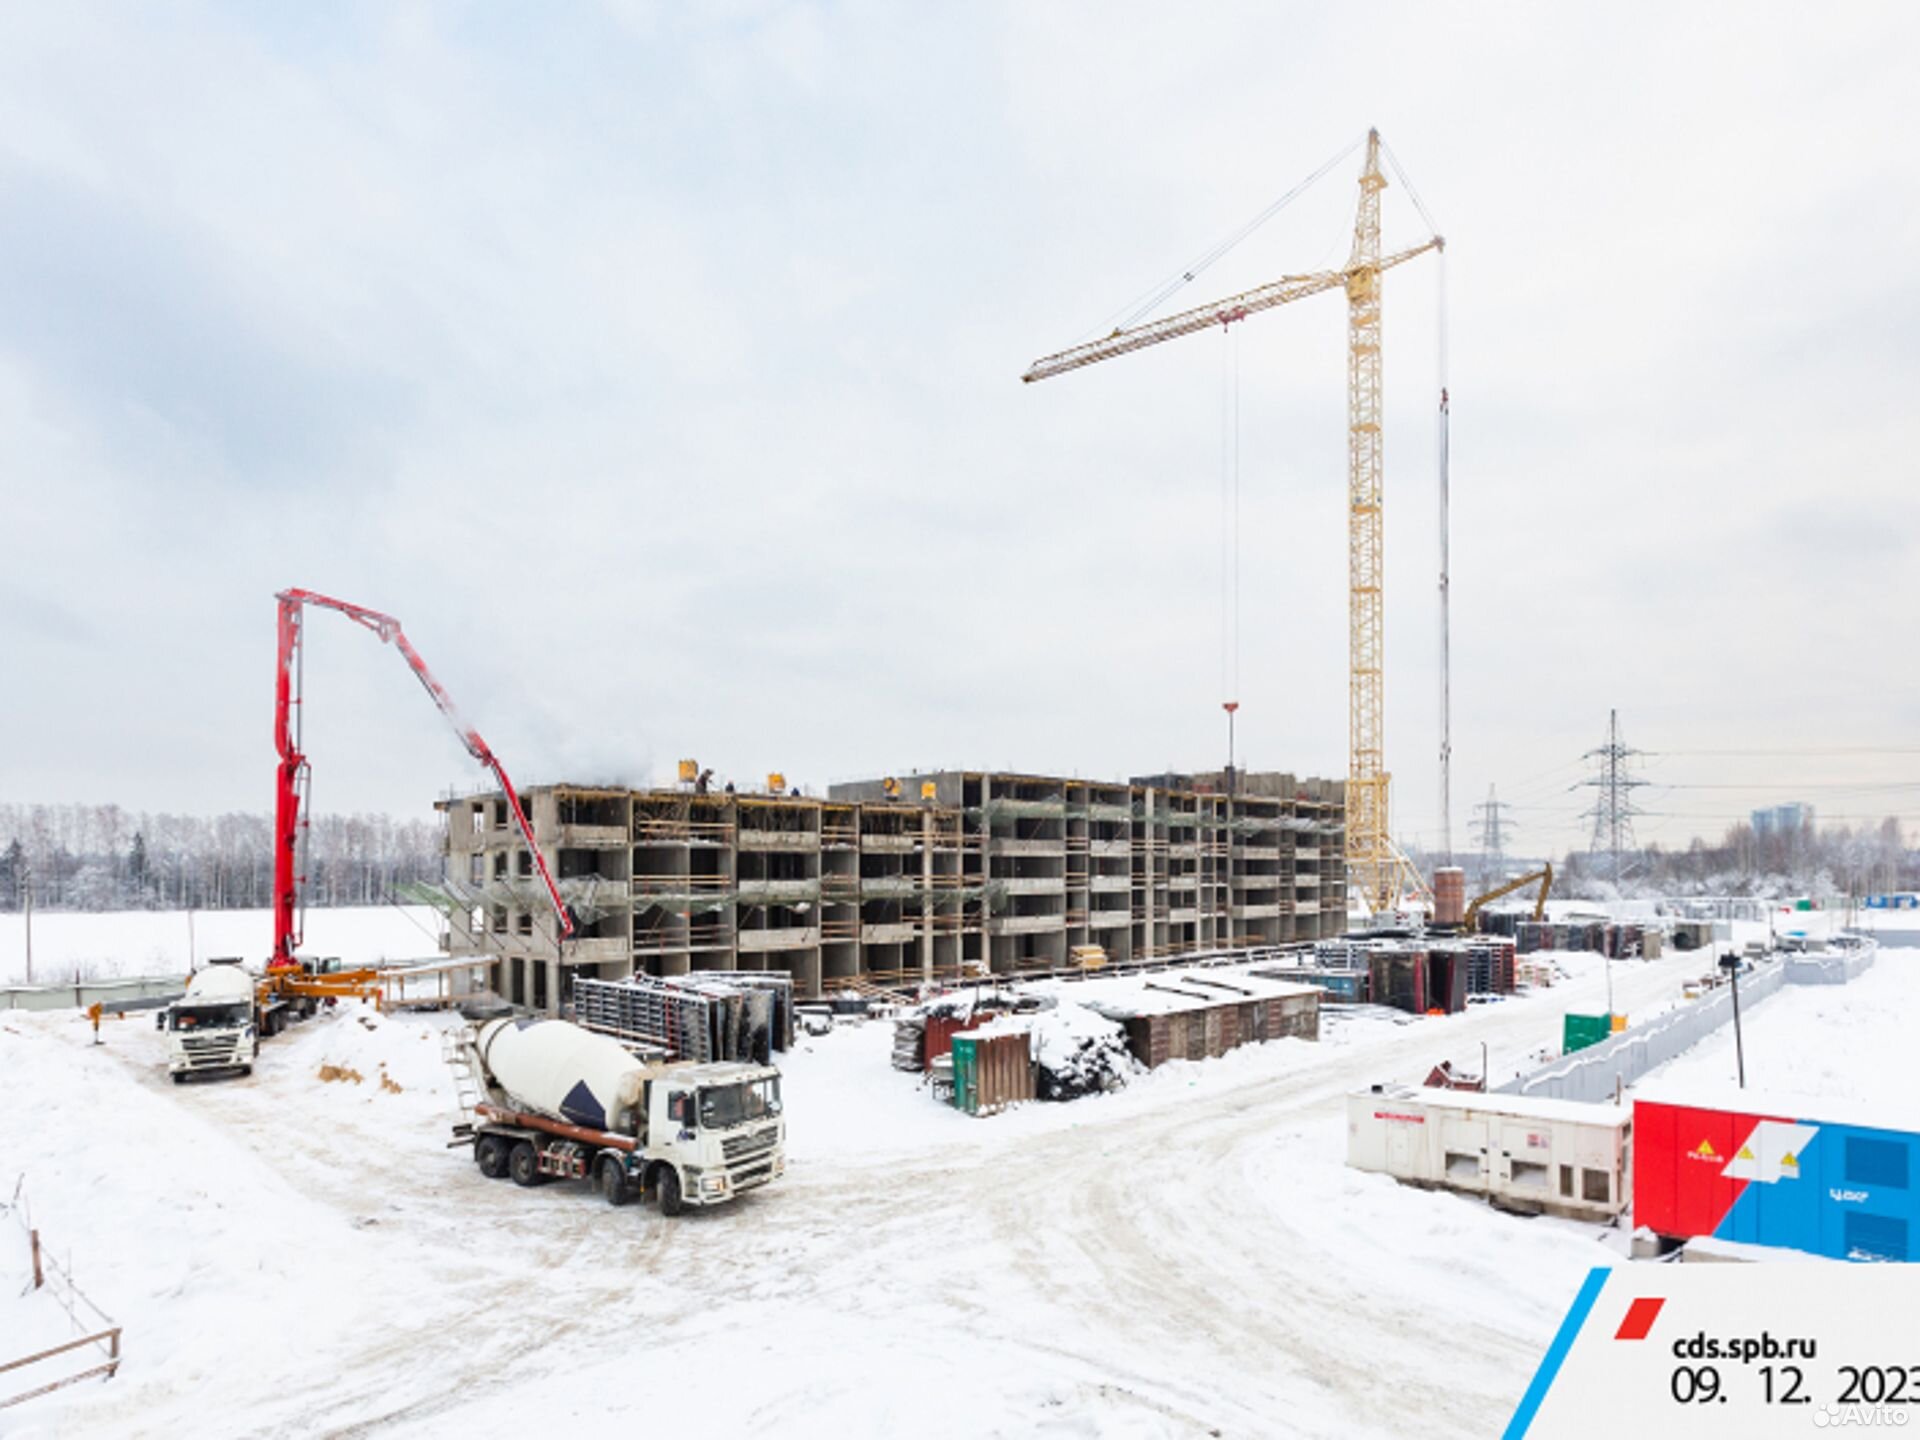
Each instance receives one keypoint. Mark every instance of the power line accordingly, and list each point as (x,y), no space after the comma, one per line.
(1804,750)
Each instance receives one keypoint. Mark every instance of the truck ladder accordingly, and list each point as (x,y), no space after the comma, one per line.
(456,1048)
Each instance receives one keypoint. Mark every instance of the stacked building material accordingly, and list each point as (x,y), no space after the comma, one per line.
(1692,934)
(1537,974)
(910,1043)
(1500,922)
(1631,940)
(744,1016)
(1349,954)
(1532,935)
(1400,979)
(1489,965)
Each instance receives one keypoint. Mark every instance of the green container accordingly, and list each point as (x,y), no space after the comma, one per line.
(1580,1031)
(966,1075)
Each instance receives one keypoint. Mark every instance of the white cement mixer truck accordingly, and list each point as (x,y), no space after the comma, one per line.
(560,1102)
(214,1026)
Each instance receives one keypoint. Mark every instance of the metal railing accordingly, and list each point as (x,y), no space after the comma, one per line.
(57,1280)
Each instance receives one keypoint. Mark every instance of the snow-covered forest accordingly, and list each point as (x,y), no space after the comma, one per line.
(101,857)
(1828,860)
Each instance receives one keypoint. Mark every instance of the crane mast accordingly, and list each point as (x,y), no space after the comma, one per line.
(1374,862)
(1371,854)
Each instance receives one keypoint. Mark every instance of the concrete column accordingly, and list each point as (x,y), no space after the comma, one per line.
(926,893)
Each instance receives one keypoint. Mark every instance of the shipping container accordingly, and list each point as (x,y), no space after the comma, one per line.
(1556,1157)
(1775,1171)
(940,1030)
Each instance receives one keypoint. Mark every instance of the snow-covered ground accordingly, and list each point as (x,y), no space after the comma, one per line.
(297,1256)
(1852,1043)
(69,946)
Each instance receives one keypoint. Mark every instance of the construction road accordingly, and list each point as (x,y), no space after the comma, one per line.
(1196,1263)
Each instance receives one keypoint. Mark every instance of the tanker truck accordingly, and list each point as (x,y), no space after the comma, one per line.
(559,1102)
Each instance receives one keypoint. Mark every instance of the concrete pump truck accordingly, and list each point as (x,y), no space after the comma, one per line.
(217,1025)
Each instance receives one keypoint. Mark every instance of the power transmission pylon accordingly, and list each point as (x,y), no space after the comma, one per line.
(1490,819)
(1613,809)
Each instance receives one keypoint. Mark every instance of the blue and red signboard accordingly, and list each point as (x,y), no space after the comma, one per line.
(1825,1187)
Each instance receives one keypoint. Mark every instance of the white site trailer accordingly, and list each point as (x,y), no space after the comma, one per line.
(1522,1152)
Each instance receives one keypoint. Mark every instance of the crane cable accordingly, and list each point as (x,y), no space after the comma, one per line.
(1230,515)
(1152,299)
(1443,446)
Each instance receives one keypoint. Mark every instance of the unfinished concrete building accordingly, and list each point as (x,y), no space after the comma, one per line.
(977,873)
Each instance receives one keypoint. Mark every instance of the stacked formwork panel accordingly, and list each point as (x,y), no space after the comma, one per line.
(746,1016)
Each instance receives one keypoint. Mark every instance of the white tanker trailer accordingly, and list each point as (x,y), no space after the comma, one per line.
(563,1102)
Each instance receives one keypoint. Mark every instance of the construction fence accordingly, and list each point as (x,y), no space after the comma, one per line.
(1597,1073)
(91,1347)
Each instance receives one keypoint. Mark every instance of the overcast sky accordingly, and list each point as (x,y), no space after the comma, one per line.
(659,366)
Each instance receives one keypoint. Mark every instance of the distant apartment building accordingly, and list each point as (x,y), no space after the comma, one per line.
(1788,819)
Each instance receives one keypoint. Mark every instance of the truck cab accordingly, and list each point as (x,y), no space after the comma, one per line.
(212,1027)
(718,1126)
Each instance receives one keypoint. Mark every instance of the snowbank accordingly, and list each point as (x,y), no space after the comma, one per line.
(1077,1052)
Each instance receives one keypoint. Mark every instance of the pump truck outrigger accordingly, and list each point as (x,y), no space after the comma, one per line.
(559,1102)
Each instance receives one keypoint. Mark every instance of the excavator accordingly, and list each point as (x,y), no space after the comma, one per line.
(222,1032)
(1543,875)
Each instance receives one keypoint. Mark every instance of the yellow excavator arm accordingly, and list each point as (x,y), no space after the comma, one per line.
(1544,876)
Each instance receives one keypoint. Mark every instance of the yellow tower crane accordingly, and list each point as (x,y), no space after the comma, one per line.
(1374,862)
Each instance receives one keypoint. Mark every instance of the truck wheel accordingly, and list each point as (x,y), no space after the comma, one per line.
(669,1188)
(179,1077)
(613,1182)
(245,1071)
(523,1165)
(491,1155)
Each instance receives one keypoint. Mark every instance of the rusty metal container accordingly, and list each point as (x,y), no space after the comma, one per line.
(991,1072)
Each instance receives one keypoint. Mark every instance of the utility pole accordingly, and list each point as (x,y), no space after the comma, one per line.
(26,882)
(1490,819)
(1613,811)
(1730,962)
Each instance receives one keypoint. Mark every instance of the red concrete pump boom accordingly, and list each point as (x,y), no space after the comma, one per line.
(291,784)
